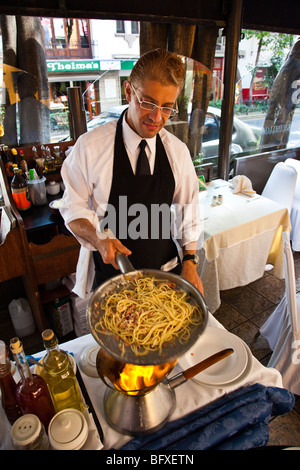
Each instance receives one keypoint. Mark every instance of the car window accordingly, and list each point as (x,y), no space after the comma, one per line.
(211,129)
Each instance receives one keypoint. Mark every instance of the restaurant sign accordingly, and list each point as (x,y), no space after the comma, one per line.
(65,66)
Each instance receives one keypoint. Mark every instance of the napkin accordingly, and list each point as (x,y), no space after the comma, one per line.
(238,420)
(242,184)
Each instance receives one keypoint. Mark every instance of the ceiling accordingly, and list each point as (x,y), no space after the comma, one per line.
(271,15)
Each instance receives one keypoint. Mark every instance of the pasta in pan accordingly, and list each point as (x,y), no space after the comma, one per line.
(148,315)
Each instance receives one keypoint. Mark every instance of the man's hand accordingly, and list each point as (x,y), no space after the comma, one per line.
(107,245)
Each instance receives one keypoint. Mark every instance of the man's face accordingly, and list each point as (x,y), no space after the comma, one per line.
(148,123)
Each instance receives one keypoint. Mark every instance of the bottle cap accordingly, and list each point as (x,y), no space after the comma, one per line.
(47,335)
(68,430)
(16,345)
(25,429)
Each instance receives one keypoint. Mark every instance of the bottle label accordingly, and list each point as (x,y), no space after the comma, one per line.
(21,198)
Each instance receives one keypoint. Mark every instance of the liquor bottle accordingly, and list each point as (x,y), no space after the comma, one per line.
(59,375)
(32,393)
(19,190)
(23,164)
(8,387)
(15,158)
(7,163)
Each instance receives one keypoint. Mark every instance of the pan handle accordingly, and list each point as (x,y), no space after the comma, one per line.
(124,263)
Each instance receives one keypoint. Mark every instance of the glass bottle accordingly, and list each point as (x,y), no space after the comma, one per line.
(19,191)
(24,165)
(57,156)
(7,163)
(49,161)
(60,376)
(8,387)
(32,392)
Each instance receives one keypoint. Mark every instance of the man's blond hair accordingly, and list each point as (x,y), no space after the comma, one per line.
(159,65)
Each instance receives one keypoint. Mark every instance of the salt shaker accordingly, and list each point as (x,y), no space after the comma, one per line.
(28,433)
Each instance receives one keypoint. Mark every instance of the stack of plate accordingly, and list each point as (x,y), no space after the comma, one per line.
(231,370)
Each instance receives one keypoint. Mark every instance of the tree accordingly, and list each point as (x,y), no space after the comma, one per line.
(284,97)
(26,76)
(278,43)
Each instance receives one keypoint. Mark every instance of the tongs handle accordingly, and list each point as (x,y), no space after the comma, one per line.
(124,263)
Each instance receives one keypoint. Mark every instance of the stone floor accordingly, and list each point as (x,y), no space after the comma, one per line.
(243,311)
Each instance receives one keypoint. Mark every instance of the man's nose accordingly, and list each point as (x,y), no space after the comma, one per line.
(156,114)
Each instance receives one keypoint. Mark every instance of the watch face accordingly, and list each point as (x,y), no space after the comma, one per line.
(194,258)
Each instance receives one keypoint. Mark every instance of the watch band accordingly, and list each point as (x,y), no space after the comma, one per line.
(194,258)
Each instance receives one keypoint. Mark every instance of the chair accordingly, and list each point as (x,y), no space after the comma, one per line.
(295,212)
(281,185)
(282,329)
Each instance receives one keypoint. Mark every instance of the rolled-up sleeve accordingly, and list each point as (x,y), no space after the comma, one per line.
(77,198)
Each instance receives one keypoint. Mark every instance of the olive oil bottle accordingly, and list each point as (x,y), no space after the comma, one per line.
(59,375)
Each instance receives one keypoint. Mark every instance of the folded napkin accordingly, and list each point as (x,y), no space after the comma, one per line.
(237,421)
(242,184)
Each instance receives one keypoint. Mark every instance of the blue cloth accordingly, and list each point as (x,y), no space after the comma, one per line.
(237,421)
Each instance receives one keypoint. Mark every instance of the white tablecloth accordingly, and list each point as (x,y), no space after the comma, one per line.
(240,236)
(189,396)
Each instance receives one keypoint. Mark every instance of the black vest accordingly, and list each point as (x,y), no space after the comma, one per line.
(155,247)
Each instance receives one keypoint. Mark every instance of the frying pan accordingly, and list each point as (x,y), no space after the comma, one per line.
(111,344)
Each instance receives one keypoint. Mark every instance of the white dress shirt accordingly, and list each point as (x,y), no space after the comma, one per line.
(87,174)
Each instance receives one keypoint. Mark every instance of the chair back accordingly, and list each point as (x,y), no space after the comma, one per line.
(290,282)
(295,164)
(281,185)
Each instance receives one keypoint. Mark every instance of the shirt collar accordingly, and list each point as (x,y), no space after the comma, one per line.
(132,139)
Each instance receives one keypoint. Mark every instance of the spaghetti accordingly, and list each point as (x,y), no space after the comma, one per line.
(148,315)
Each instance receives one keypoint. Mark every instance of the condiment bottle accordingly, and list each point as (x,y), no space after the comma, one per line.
(49,161)
(7,163)
(24,165)
(60,376)
(19,190)
(32,392)
(28,433)
(57,156)
(8,387)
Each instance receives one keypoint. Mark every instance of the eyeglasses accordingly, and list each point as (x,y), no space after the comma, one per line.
(151,106)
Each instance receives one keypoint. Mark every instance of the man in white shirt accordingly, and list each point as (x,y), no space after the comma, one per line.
(111,183)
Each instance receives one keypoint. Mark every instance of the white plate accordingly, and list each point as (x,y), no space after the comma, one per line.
(87,361)
(225,371)
(239,379)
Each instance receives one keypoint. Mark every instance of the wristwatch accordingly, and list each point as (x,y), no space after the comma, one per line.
(194,258)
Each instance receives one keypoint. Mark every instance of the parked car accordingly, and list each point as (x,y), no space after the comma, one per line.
(244,137)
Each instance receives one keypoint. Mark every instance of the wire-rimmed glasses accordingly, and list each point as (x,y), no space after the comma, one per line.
(151,106)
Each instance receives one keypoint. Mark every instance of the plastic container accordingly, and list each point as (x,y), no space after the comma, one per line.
(28,433)
(53,188)
(21,316)
(37,191)
(68,430)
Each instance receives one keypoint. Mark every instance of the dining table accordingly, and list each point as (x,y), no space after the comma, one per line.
(240,369)
(241,236)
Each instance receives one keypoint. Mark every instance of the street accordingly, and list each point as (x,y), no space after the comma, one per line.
(294,139)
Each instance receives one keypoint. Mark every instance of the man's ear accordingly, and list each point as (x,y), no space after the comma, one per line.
(128,90)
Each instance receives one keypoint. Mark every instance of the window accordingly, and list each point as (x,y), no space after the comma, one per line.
(66,37)
(120,26)
(135,27)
